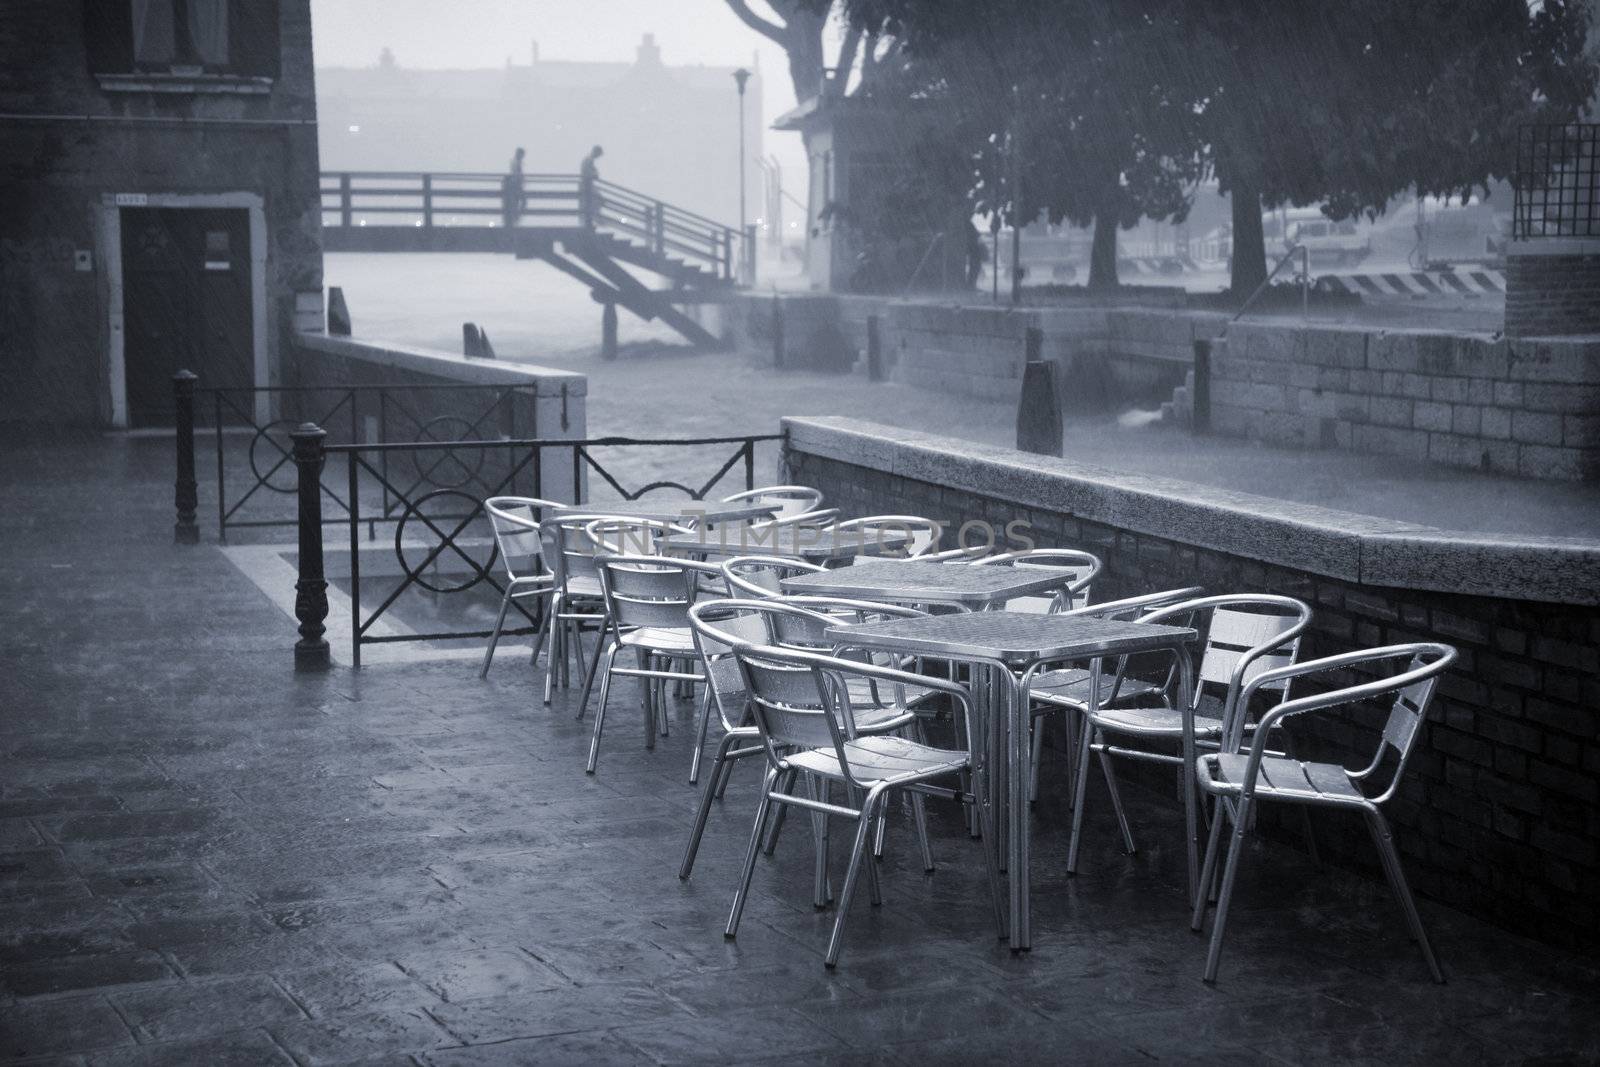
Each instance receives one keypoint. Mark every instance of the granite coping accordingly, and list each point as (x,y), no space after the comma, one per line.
(1362,549)
(544,381)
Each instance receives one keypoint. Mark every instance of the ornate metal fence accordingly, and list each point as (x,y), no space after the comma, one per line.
(262,479)
(442,541)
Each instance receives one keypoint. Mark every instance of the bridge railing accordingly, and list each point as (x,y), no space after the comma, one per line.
(428,200)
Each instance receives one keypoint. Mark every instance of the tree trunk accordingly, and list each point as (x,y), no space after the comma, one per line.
(1103,253)
(1249,245)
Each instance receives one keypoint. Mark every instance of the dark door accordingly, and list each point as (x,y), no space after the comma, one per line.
(186,304)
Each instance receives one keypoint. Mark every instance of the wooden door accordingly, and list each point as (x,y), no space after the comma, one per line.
(186,304)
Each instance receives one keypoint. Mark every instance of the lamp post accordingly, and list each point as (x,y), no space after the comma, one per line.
(740,77)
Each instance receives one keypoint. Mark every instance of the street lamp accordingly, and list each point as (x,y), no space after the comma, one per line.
(741,76)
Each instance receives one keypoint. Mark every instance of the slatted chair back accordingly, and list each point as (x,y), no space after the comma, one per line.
(789,499)
(720,626)
(569,550)
(1134,608)
(787,697)
(515,520)
(1247,635)
(759,576)
(1074,593)
(631,536)
(923,534)
(647,591)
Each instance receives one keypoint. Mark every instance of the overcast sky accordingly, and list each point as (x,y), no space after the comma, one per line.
(482,33)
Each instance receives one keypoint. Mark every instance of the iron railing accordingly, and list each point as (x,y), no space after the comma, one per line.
(372,414)
(1557,181)
(449,522)
(416,200)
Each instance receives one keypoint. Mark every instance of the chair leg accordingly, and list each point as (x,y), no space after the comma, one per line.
(1379,828)
(651,723)
(557,650)
(743,891)
(1208,870)
(721,782)
(869,811)
(1110,772)
(704,812)
(1034,758)
(538,642)
(494,638)
(588,681)
(701,729)
(600,712)
(819,790)
(990,845)
(879,832)
(874,888)
(919,815)
(1082,787)
(786,786)
(1230,871)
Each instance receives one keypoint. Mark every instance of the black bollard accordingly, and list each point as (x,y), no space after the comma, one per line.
(608,331)
(185,493)
(471,346)
(1039,426)
(1200,395)
(311,590)
(338,313)
(874,351)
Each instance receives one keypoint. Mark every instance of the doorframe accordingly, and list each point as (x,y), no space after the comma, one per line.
(108,236)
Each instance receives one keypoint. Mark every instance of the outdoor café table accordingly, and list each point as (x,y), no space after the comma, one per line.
(913,581)
(1004,649)
(701,511)
(813,543)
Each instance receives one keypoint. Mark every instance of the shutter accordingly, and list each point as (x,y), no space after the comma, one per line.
(253,47)
(108,35)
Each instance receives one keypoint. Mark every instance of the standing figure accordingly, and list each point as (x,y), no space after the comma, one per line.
(512,195)
(588,198)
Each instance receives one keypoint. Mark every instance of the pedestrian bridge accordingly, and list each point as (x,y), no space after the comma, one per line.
(587,237)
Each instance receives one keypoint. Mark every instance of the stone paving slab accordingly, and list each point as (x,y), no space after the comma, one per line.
(205,859)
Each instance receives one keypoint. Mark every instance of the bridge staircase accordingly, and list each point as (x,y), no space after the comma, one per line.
(593,235)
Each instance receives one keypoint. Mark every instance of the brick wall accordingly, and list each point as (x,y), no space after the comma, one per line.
(1551,295)
(1500,811)
(1528,407)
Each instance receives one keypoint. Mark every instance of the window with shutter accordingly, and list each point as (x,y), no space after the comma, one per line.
(186,39)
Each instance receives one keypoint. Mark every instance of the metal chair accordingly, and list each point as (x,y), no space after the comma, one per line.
(923,533)
(759,576)
(1066,689)
(647,600)
(1241,778)
(1246,635)
(579,602)
(972,554)
(790,499)
(516,534)
(1074,593)
(720,626)
(807,724)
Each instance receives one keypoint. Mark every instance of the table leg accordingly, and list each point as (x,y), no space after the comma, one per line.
(1191,814)
(1014,706)
(986,688)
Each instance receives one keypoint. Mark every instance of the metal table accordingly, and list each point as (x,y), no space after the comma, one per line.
(700,511)
(818,544)
(915,582)
(1003,649)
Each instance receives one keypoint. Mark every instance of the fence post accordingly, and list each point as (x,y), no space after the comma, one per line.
(777,332)
(427,201)
(1039,426)
(185,493)
(750,254)
(311,590)
(1200,395)
(659,229)
(345,211)
(608,331)
(874,351)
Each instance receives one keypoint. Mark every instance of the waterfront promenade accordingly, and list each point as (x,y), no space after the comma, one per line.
(205,858)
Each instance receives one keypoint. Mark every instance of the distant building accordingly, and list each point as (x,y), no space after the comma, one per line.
(158,201)
(670,132)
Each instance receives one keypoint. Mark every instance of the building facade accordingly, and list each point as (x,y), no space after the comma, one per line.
(160,206)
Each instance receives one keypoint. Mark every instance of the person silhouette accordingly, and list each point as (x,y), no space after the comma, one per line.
(588,196)
(512,195)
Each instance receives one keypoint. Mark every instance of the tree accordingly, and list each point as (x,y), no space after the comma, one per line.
(796,26)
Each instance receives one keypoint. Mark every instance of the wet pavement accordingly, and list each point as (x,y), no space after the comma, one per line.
(206,859)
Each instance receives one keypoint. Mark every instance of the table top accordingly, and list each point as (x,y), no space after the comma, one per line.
(675,510)
(916,582)
(1013,637)
(802,542)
